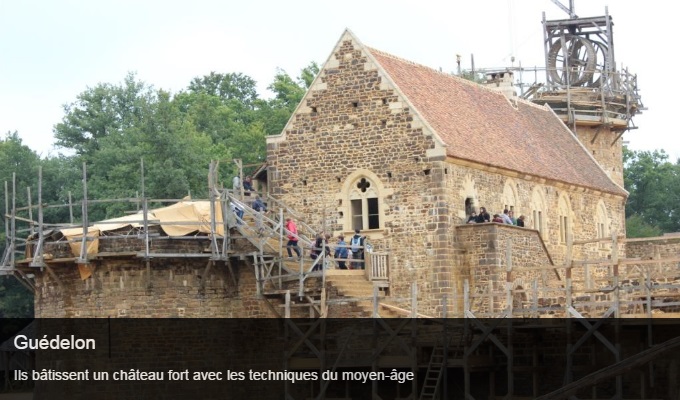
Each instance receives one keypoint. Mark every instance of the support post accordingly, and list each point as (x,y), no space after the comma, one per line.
(70,208)
(445,315)
(83,247)
(510,313)
(38,253)
(145,212)
(567,317)
(13,237)
(615,274)
(466,357)
(239,165)
(414,300)
(31,224)
(8,247)
(213,224)
(617,310)
(258,277)
(375,302)
(287,309)
(281,232)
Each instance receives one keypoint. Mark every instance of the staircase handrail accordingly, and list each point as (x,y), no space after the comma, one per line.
(302,239)
(298,218)
(271,225)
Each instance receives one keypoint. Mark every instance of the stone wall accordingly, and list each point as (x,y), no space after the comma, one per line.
(484,252)
(664,277)
(494,190)
(649,249)
(122,288)
(598,140)
(354,124)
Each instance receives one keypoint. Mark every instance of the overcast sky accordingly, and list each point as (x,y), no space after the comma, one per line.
(52,50)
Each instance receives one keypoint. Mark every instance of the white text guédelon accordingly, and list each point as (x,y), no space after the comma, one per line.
(21,342)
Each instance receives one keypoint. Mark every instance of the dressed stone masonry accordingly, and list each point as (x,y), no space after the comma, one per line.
(402,152)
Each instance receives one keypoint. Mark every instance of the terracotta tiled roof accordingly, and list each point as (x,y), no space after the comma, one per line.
(481,125)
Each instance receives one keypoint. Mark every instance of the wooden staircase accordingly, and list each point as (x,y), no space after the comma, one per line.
(353,286)
(265,232)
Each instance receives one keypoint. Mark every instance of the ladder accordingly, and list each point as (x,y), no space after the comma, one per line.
(433,374)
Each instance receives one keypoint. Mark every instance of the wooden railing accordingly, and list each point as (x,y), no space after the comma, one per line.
(377,267)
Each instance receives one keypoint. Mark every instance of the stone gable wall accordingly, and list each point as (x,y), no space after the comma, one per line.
(354,120)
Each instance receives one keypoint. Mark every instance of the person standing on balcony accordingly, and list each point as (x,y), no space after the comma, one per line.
(506,217)
(520,221)
(483,216)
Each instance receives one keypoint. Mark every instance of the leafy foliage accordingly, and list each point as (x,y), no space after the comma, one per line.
(636,227)
(101,111)
(654,186)
(114,128)
(15,300)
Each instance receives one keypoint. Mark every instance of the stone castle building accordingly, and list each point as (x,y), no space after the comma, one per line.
(404,153)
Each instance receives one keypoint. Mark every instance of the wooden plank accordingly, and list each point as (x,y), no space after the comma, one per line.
(403,311)
(613,370)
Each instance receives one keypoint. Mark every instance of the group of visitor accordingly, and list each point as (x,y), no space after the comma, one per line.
(247,184)
(321,245)
(507,217)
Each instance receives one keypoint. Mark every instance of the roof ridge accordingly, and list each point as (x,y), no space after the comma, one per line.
(455,77)
(447,74)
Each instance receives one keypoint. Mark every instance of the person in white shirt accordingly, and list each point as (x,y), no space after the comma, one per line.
(506,218)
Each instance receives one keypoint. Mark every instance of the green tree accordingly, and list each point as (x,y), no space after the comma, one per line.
(61,175)
(176,158)
(101,111)
(227,87)
(211,116)
(274,113)
(636,227)
(16,301)
(288,92)
(16,158)
(654,186)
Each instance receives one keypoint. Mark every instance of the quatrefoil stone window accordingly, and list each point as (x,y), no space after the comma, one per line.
(363,184)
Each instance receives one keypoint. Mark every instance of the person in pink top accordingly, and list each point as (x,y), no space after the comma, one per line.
(291,227)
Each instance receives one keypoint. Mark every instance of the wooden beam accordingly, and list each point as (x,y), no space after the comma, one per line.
(613,370)
(271,308)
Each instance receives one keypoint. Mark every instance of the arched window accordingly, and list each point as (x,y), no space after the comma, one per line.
(469,193)
(538,215)
(469,206)
(364,204)
(510,196)
(564,215)
(361,202)
(601,221)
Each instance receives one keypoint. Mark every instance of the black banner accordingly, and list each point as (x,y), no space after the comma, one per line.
(342,358)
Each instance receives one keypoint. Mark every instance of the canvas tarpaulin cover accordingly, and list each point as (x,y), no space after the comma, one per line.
(180,219)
